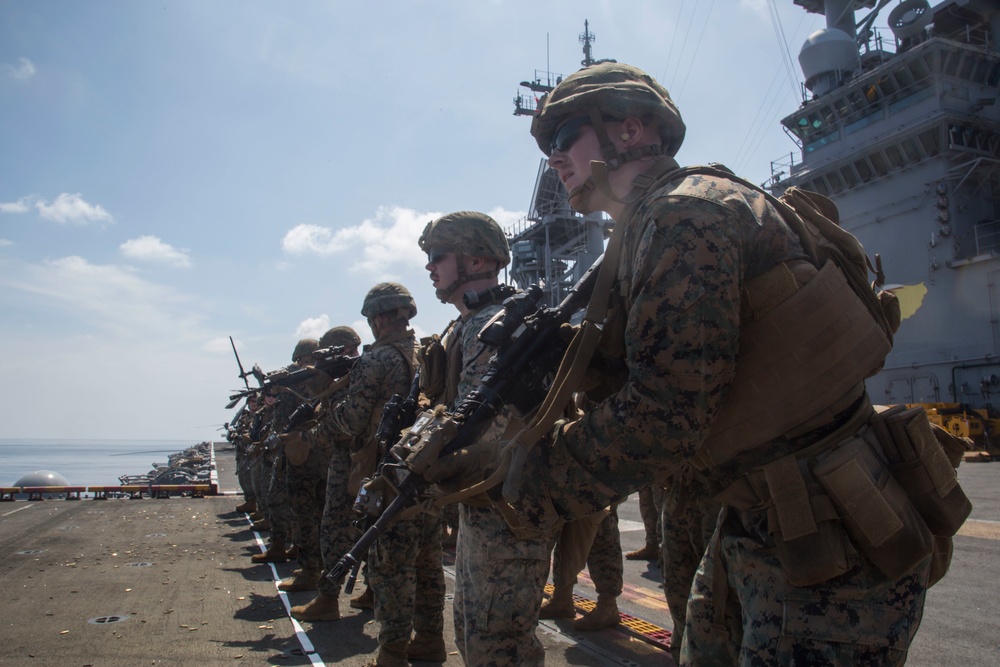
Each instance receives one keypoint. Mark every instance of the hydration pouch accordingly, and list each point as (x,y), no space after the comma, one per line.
(918,462)
(810,545)
(880,518)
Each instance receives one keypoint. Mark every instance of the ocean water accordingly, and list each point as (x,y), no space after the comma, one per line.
(83,462)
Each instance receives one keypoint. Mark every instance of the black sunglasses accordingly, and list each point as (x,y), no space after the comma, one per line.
(567,134)
(435,255)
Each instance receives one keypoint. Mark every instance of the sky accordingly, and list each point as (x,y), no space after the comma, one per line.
(175,173)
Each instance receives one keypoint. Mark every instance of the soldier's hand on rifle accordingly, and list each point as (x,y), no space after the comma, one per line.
(461,469)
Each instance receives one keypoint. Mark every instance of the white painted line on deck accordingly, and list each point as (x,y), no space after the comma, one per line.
(26,507)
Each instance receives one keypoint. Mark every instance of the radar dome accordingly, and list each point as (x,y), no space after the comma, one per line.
(42,478)
(826,55)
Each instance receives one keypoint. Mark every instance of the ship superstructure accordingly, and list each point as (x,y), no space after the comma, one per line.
(902,130)
(553,245)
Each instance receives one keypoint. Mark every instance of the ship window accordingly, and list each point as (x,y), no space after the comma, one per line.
(886,85)
(849,176)
(863,169)
(871,93)
(835,183)
(879,163)
(909,146)
(919,68)
(843,107)
(903,77)
(965,71)
(993,78)
(895,157)
(931,141)
(857,101)
(819,185)
(982,67)
(951,62)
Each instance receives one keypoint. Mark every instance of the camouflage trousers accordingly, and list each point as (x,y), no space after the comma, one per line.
(244,474)
(282,522)
(688,523)
(307,499)
(651,509)
(858,618)
(594,542)
(407,576)
(336,534)
(499,581)
(260,474)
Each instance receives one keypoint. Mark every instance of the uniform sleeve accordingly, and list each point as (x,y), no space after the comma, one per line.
(681,337)
(352,415)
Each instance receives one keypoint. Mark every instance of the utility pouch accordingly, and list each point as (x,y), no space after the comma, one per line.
(880,519)
(811,545)
(918,462)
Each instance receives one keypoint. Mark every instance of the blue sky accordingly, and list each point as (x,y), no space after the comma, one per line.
(174,173)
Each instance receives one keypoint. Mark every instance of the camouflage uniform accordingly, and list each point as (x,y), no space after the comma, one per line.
(650,509)
(239,435)
(688,521)
(690,245)
(280,512)
(307,491)
(687,252)
(499,578)
(380,372)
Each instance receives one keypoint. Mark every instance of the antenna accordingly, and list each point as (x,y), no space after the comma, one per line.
(587,38)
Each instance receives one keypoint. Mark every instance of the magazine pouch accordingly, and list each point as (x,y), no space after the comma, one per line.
(881,520)
(916,459)
(811,546)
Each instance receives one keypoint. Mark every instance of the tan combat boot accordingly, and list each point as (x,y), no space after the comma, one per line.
(392,655)
(261,526)
(427,646)
(249,506)
(324,607)
(302,580)
(275,553)
(256,515)
(560,605)
(604,615)
(648,552)
(364,601)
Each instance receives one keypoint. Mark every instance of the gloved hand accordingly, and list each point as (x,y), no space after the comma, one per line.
(461,469)
(295,447)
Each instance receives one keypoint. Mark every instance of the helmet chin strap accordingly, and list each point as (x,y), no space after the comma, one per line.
(600,169)
(443,294)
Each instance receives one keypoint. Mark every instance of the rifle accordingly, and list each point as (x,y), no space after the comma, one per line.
(399,412)
(529,348)
(330,360)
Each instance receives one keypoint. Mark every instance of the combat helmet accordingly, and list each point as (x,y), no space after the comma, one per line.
(304,347)
(617,91)
(470,234)
(340,337)
(385,297)
(607,92)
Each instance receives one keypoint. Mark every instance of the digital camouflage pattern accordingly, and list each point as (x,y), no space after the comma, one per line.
(467,233)
(407,577)
(650,511)
(499,579)
(307,490)
(689,247)
(383,370)
(689,516)
(280,511)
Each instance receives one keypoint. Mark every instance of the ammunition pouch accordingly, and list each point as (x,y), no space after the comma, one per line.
(881,480)
(433,362)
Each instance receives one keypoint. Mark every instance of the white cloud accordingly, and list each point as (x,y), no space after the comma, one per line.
(22,205)
(152,249)
(219,345)
(4,243)
(313,327)
(23,70)
(380,246)
(111,298)
(71,208)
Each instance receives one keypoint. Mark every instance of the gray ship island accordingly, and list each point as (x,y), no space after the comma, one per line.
(901,129)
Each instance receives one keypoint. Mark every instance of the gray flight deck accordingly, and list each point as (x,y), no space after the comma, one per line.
(169,582)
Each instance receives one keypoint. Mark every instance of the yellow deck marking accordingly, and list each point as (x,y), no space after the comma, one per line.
(989,530)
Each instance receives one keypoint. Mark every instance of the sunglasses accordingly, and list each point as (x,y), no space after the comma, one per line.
(435,255)
(567,134)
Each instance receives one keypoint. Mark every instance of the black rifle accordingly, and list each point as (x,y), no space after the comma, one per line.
(529,348)
(243,373)
(330,361)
